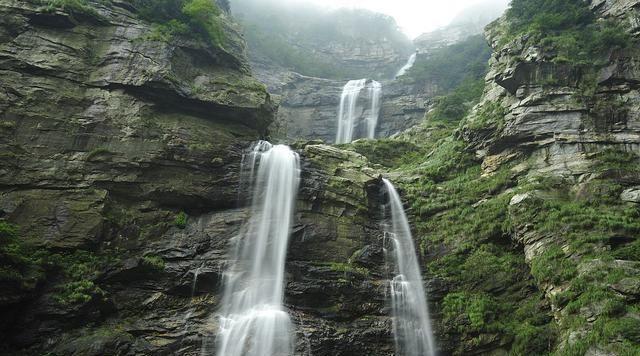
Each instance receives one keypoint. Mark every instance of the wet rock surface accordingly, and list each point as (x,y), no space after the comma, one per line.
(106,143)
(309,108)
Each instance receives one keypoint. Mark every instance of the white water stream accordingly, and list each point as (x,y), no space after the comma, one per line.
(410,63)
(349,115)
(411,323)
(252,320)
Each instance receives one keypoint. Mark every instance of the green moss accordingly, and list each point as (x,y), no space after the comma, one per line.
(154,263)
(620,335)
(386,152)
(630,252)
(457,104)
(477,310)
(80,6)
(553,266)
(617,161)
(7,125)
(533,339)
(491,115)
(348,268)
(181,220)
(97,152)
(24,265)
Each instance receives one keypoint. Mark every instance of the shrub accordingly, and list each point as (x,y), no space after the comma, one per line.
(568,27)
(181,220)
(20,263)
(478,309)
(78,292)
(154,263)
(456,105)
(182,17)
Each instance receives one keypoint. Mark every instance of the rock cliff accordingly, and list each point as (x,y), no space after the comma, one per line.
(120,192)
(120,168)
(526,209)
(308,107)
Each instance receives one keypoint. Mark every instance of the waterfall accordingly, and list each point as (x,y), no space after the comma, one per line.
(348,116)
(252,318)
(375,90)
(411,324)
(347,110)
(410,63)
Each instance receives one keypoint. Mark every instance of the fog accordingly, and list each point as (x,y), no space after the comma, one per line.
(414,16)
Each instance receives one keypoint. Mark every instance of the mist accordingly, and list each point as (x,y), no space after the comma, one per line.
(414,17)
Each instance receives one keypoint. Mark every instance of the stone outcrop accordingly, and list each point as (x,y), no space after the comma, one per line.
(120,165)
(558,119)
(106,134)
(309,107)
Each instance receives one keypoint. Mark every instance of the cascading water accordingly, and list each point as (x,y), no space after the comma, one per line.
(375,90)
(410,63)
(347,110)
(411,323)
(348,115)
(252,318)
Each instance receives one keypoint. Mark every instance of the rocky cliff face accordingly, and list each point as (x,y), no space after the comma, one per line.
(571,123)
(548,161)
(120,166)
(308,107)
(526,210)
(106,135)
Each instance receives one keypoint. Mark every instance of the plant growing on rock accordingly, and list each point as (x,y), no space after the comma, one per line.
(181,220)
(567,27)
(183,17)
(152,262)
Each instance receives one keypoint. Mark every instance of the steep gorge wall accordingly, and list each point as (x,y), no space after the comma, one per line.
(578,125)
(545,168)
(526,210)
(120,168)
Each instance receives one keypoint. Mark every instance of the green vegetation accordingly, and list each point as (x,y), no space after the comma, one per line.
(459,102)
(95,153)
(73,7)
(450,66)
(567,27)
(348,268)
(78,292)
(387,152)
(183,18)
(181,220)
(579,229)
(20,263)
(457,209)
(490,115)
(24,266)
(580,257)
(153,263)
(79,270)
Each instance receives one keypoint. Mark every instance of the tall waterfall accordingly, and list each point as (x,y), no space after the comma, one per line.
(252,320)
(410,63)
(411,324)
(375,90)
(349,117)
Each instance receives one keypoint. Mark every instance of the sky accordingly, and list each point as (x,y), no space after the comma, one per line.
(413,16)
